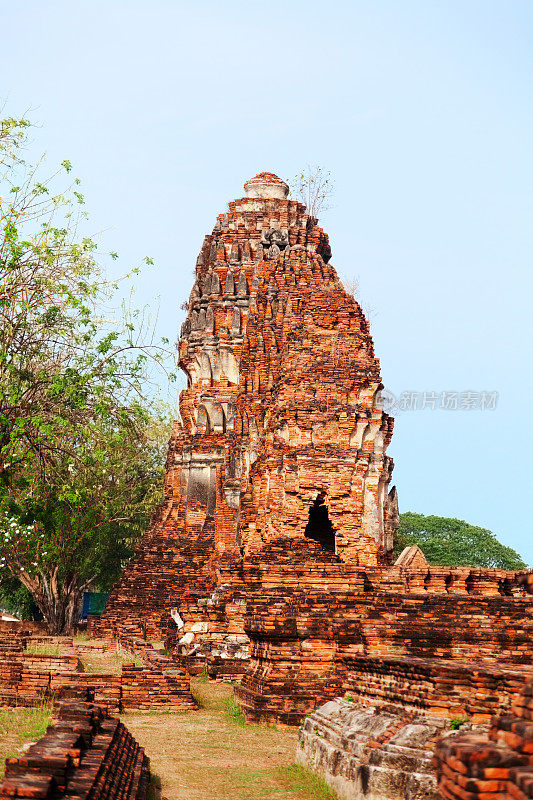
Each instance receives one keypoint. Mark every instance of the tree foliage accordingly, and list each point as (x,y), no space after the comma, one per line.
(16,599)
(80,443)
(454,542)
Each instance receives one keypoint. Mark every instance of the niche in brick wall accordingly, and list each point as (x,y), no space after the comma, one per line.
(320,527)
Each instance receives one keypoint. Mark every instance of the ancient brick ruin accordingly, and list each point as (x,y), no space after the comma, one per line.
(367,752)
(281,432)
(147,680)
(271,557)
(493,766)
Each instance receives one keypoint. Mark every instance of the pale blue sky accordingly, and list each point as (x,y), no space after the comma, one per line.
(421,110)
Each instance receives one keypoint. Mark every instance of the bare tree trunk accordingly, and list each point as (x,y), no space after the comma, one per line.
(57,602)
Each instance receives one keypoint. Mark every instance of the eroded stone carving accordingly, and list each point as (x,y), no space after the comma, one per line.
(275,241)
(229,287)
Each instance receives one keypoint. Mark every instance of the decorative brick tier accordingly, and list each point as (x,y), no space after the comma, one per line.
(440,652)
(85,755)
(470,627)
(434,686)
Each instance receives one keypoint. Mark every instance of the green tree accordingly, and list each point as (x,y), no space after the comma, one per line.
(454,542)
(15,598)
(78,530)
(80,442)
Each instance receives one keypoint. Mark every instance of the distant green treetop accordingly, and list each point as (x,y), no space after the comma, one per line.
(454,542)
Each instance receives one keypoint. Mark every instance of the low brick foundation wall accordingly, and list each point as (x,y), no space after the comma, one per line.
(37,662)
(85,755)
(157,683)
(436,686)
(24,687)
(97,687)
(148,689)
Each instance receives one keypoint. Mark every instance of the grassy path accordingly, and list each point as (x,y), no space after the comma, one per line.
(208,755)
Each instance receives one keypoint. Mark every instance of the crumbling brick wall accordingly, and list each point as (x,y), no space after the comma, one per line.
(84,754)
(329,627)
(500,766)
(155,682)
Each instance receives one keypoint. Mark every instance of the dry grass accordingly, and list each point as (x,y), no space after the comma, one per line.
(110,663)
(19,726)
(43,649)
(81,637)
(210,754)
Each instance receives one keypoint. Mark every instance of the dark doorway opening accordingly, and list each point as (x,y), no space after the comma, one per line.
(319,526)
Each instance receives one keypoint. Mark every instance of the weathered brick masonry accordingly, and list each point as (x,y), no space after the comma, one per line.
(282,403)
(367,634)
(155,682)
(497,767)
(85,755)
(282,441)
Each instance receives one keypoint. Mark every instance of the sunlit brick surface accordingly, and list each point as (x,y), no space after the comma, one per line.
(282,403)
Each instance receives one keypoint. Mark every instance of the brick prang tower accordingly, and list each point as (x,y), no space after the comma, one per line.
(282,403)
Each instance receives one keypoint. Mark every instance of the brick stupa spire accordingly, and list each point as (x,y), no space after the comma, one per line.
(281,413)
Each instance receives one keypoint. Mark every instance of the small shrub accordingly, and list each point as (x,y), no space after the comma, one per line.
(349,698)
(154,787)
(456,722)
